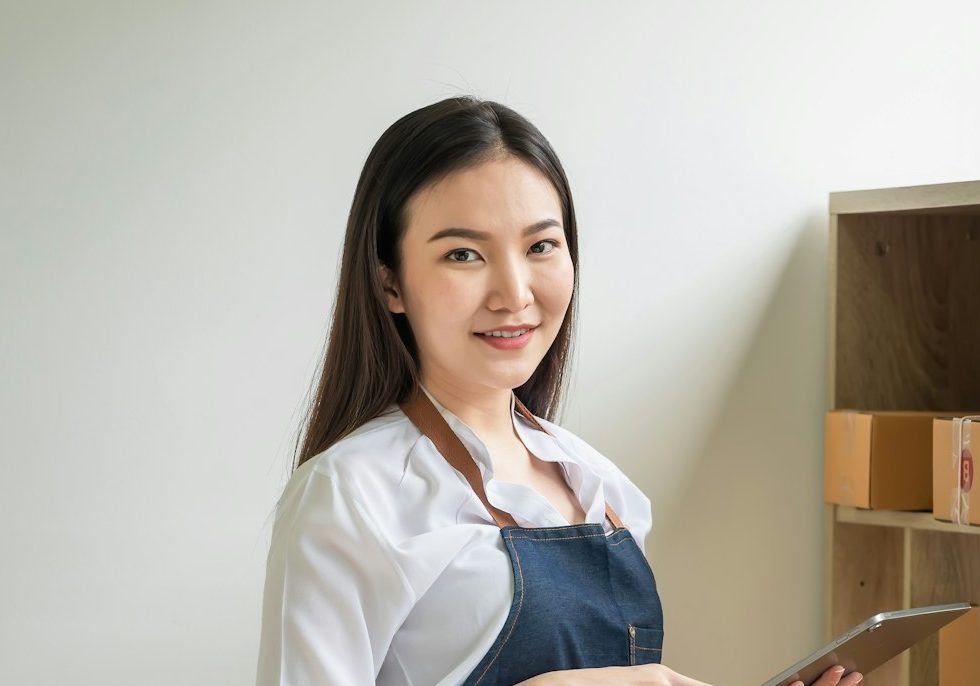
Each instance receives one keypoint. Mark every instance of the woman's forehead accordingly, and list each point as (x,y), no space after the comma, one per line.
(502,195)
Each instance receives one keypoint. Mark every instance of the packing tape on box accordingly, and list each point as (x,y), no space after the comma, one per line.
(962,464)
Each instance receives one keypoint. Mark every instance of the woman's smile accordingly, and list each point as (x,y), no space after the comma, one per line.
(507,341)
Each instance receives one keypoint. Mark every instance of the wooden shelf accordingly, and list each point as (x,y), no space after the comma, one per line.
(920,521)
(933,199)
(903,330)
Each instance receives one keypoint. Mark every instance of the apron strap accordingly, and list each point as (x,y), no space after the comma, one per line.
(420,410)
(431,423)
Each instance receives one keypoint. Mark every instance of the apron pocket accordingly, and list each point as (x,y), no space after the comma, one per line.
(645,644)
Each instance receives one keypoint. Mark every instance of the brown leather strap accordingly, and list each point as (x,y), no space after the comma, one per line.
(420,410)
(431,423)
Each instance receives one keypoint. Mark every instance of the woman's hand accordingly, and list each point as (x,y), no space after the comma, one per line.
(639,675)
(658,675)
(832,677)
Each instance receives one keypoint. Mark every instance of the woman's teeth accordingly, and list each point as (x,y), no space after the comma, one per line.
(505,334)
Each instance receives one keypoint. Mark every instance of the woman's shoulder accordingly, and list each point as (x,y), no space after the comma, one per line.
(364,467)
(381,442)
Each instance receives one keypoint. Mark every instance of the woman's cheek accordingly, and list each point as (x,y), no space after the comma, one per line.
(459,293)
(561,285)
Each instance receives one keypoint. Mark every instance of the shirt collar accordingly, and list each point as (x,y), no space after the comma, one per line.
(583,480)
(541,444)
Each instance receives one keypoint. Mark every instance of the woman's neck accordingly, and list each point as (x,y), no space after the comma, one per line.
(486,411)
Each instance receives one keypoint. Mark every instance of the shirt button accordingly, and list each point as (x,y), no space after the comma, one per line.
(632,631)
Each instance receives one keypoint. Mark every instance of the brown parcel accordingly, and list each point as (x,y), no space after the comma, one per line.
(959,659)
(946,473)
(879,460)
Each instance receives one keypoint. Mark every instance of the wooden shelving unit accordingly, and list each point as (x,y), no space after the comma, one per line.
(903,334)
(918,521)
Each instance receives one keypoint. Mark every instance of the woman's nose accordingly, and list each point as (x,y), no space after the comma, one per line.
(511,287)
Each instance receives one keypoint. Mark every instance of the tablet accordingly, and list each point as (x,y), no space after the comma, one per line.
(872,643)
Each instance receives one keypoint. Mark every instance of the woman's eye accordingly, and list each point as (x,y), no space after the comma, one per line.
(462,251)
(468,255)
(553,244)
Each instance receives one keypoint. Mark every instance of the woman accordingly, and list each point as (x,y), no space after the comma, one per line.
(439,528)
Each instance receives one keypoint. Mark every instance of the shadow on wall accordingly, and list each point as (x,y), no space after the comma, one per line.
(737,542)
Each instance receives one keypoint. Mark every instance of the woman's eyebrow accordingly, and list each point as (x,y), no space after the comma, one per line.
(473,234)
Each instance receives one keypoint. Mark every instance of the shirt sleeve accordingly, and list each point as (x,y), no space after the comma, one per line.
(334,595)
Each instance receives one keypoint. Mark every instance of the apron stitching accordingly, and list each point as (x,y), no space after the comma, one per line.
(654,650)
(517,614)
(556,528)
(563,538)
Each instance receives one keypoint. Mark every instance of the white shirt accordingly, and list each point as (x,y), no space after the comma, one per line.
(385,567)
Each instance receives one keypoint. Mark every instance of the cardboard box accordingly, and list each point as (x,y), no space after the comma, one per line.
(953,462)
(959,658)
(879,460)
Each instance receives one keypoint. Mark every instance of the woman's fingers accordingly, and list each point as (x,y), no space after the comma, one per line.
(832,677)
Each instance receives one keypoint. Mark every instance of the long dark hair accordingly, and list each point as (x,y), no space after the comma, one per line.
(371,359)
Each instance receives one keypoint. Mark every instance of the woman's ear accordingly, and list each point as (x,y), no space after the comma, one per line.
(392,291)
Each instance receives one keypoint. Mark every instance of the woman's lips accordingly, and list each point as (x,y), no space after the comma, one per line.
(502,343)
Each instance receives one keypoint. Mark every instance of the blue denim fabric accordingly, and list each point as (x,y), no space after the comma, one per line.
(581,599)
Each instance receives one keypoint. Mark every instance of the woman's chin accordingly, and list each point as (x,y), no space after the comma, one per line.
(506,379)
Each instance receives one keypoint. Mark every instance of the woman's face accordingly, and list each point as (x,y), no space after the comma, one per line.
(483,249)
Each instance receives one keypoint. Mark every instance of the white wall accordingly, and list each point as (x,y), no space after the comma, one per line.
(174,182)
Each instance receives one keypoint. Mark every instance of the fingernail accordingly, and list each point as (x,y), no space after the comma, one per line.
(838,670)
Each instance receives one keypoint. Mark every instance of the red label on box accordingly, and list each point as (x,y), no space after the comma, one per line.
(966,471)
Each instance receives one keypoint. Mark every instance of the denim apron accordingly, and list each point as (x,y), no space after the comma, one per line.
(581,598)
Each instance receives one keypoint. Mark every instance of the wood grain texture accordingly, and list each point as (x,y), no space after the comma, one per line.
(829,525)
(910,520)
(938,198)
(907,312)
(868,566)
(945,568)
(832,312)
